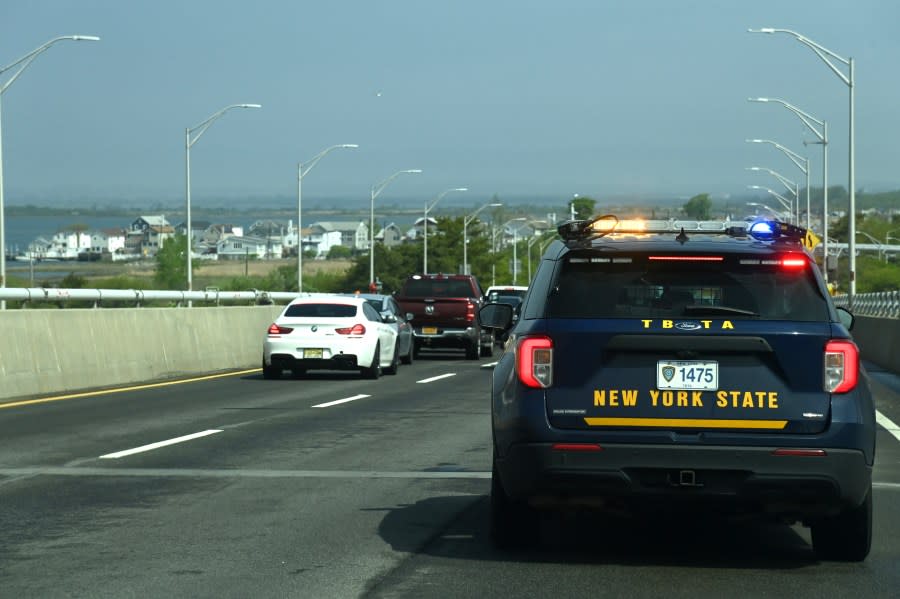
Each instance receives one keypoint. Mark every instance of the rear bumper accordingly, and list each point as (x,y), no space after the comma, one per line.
(447,337)
(337,353)
(744,478)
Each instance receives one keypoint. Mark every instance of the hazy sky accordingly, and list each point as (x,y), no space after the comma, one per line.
(597,97)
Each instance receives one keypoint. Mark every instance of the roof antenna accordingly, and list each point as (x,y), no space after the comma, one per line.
(681,237)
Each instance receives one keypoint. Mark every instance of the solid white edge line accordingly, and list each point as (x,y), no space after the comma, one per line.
(340,401)
(436,378)
(888,424)
(143,448)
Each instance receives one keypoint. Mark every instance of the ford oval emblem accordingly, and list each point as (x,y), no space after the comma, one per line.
(688,325)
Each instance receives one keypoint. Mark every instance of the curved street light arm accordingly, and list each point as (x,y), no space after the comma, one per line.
(785,203)
(807,118)
(379,187)
(26,60)
(309,164)
(820,50)
(796,158)
(788,184)
(202,127)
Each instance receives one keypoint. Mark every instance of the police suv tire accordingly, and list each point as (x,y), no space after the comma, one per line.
(373,371)
(271,372)
(846,537)
(512,524)
(395,361)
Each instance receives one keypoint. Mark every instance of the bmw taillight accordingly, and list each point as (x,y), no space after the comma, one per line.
(275,330)
(841,366)
(357,329)
(534,361)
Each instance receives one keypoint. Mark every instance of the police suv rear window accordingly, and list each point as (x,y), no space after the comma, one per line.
(731,286)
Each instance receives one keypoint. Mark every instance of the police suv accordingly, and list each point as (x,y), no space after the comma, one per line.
(682,364)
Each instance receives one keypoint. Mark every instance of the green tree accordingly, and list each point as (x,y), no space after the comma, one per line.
(339,252)
(171,267)
(698,207)
(584,207)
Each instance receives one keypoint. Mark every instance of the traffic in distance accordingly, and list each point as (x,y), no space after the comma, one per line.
(661,365)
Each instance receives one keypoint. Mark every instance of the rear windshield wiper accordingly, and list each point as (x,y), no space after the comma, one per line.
(698,309)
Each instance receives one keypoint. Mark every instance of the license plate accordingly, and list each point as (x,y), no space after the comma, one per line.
(429,330)
(312,354)
(687,375)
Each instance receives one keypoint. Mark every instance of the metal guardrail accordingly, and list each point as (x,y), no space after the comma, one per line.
(880,304)
(137,297)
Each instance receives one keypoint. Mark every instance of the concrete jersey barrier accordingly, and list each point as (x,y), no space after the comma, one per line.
(56,351)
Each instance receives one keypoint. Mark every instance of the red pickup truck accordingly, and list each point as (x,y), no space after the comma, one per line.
(445,313)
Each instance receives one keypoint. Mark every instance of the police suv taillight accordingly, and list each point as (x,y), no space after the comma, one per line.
(534,361)
(841,366)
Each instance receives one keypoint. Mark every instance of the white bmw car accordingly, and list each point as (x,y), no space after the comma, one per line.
(330,333)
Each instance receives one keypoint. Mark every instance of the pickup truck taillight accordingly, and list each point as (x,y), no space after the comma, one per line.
(470,312)
(841,366)
(534,361)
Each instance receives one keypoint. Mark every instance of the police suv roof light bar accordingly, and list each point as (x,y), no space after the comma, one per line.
(760,230)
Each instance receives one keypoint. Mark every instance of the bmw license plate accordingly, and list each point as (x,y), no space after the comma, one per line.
(312,354)
(687,375)
(429,330)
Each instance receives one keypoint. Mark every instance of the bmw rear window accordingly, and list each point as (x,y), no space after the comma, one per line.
(321,310)
(644,286)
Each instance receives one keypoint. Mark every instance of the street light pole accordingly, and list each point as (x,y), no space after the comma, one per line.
(800,162)
(23,63)
(808,120)
(301,172)
(188,143)
(515,250)
(425,225)
(376,190)
(826,55)
(786,203)
(788,184)
(466,222)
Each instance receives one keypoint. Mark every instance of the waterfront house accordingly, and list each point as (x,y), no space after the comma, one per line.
(354,234)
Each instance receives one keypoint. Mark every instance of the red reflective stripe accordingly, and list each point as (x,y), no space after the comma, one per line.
(809,453)
(576,447)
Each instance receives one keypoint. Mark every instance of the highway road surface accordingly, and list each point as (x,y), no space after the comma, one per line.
(334,486)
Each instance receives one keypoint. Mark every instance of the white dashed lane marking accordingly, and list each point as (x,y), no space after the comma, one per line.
(437,378)
(888,424)
(340,401)
(152,446)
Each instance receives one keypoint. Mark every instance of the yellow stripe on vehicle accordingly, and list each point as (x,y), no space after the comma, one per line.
(687,423)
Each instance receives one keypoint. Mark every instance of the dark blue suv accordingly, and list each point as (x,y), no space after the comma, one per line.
(662,364)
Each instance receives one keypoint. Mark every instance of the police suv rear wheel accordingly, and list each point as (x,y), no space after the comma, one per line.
(512,523)
(846,537)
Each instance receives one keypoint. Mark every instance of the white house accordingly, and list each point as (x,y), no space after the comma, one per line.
(354,234)
(239,248)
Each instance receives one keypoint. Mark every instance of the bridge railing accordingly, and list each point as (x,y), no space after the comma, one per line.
(139,297)
(880,304)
